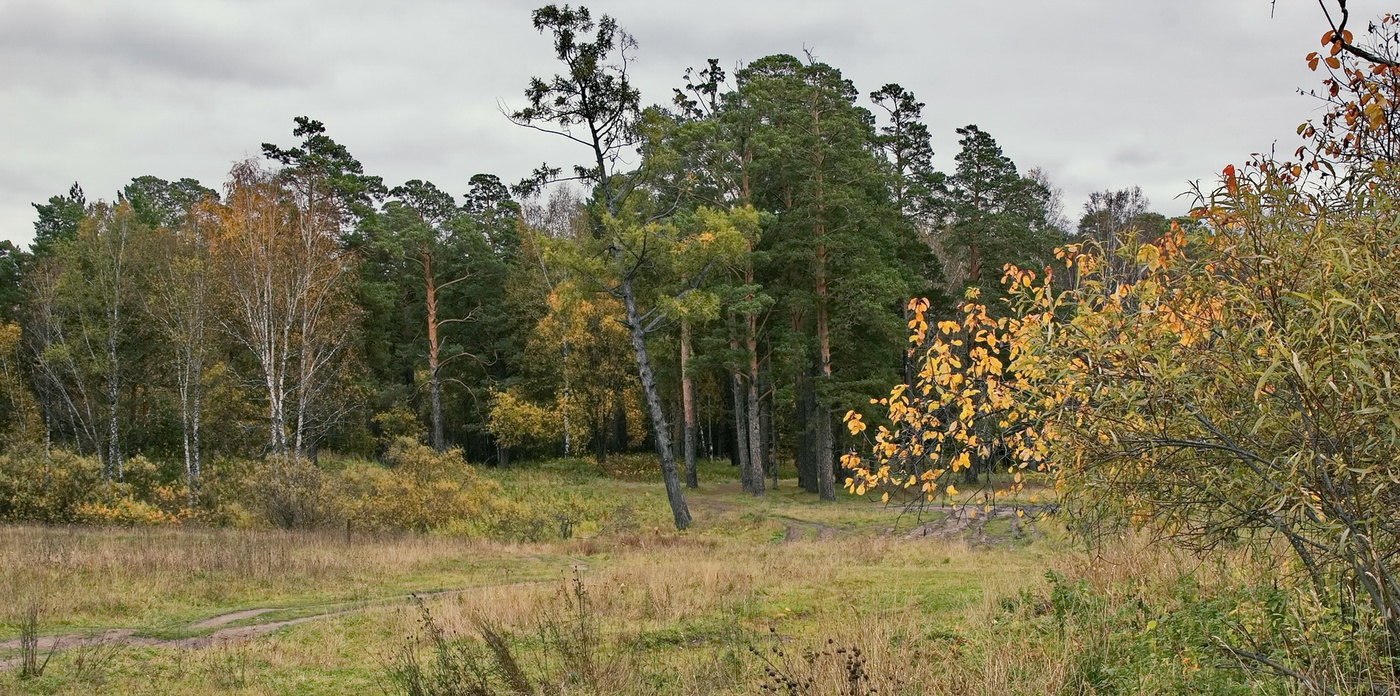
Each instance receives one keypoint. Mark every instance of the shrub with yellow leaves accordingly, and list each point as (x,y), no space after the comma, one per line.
(422,490)
(1240,385)
(972,407)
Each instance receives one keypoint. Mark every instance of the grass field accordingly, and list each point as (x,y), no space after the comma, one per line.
(761,595)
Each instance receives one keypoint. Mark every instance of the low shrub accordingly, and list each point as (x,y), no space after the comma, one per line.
(415,488)
(292,493)
(60,487)
(422,490)
(39,486)
(124,511)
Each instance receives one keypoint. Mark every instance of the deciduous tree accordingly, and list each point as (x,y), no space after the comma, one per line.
(286,281)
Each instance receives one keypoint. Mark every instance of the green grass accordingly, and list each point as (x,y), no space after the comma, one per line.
(704,611)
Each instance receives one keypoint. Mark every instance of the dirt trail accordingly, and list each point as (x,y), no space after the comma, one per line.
(971,521)
(794,529)
(127,636)
(226,619)
(801,530)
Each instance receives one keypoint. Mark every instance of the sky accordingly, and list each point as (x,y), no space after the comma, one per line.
(1100,94)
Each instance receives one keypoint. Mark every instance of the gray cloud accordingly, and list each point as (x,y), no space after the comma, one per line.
(1099,93)
(68,44)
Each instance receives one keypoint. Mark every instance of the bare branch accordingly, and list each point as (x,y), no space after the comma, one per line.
(1275,667)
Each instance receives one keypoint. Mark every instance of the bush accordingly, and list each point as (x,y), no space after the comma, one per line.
(46,487)
(416,489)
(423,490)
(293,494)
(124,511)
(59,487)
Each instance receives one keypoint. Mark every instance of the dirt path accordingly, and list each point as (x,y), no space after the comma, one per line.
(803,530)
(794,529)
(226,634)
(225,619)
(971,521)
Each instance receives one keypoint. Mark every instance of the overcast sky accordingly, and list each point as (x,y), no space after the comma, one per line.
(1099,93)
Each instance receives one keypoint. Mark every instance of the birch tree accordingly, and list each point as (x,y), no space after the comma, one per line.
(184,310)
(86,298)
(593,103)
(286,282)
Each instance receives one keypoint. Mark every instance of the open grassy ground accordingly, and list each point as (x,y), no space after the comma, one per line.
(770,593)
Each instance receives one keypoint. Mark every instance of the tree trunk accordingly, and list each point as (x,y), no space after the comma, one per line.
(806,455)
(824,446)
(190,402)
(741,433)
(197,404)
(114,456)
(299,434)
(277,396)
(688,408)
(435,398)
(826,470)
(434,346)
(277,425)
(765,423)
(674,494)
(755,436)
(564,401)
(826,456)
(186,442)
(601,440)
(617,429)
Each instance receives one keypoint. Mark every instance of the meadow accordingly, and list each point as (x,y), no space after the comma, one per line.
(779,594)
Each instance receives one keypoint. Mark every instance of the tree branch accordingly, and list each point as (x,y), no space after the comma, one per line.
(1338,34)
(1277,668)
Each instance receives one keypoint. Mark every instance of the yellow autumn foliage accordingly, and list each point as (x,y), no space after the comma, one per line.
(422,490)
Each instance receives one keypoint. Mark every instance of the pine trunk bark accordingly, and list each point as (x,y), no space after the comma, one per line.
(765,423)
(434,346)
(825,454)
(741,432)
(688,408)
(806,455)
(824,445)
(755,436)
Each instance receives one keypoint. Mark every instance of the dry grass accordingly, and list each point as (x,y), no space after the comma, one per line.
(98,578)
(679,612)
(714,619)
(726,608)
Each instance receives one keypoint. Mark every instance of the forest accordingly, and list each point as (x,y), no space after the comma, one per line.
(749,397)
(730,296)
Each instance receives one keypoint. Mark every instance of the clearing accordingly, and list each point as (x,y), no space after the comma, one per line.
(263,612)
